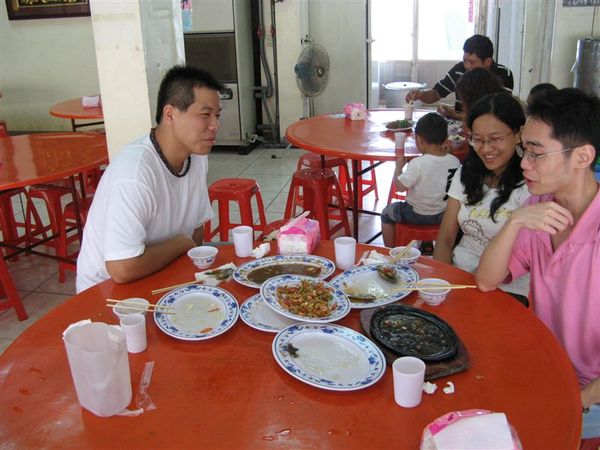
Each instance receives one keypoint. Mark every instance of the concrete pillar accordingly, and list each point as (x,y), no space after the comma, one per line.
(136,42)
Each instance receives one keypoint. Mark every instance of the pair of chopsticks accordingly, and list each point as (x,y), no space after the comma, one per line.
(430,287)
(136,307)
(406,249)
(175,286)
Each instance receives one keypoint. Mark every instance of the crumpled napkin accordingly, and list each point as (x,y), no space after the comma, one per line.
(90,101)
(374,257)
(489,431)
(261,250)
(214,277)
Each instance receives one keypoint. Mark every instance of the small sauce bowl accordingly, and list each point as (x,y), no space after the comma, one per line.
(409,258)
(140,305)
(433,297)
(204,256)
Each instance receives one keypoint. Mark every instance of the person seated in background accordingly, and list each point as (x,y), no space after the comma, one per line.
(425,179)
(556,236)
(152,200)
(478,53)
(474,85)
(487,188)
(540,89)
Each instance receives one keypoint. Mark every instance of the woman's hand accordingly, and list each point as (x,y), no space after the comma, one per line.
(590,393)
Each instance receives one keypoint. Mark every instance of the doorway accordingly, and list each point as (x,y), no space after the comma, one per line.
(415,40)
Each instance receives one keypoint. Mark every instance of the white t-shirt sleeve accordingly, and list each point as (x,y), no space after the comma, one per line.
(457,190)
(131,207)
(411,174)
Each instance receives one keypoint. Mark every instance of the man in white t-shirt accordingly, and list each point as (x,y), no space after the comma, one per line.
(425,179)
(152,200)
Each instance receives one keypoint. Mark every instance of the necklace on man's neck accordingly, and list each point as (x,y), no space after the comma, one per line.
(186,166)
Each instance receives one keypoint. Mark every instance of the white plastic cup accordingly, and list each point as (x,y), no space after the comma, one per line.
(134,329)
(408,111)
(409,374)
(243,236)
(345,252)
(400,137)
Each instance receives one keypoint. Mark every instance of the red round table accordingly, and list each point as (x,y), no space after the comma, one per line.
(229,392)
(73,109)
(357,140)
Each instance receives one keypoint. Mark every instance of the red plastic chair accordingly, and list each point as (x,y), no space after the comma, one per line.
(365,185)
(315,161)
(394,194)
(68,220)
(404,233)
(10,226)
(8,290)
(240,190)
(318,186)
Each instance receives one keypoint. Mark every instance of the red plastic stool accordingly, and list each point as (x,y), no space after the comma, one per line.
(9,224)
(52,194)
(3,129)
(315,161)
(404,233)
(68,220)
(240,190)
(318,185)
(365,185)
(8,290)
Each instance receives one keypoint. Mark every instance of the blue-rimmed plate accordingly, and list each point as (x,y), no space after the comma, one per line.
(339,304)
(256,314)
(364,280)
(328,356)
(200,312)
(321,267)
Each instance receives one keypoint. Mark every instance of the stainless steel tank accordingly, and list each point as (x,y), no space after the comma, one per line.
(587,66)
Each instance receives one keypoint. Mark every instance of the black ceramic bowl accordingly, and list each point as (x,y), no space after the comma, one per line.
(409,331)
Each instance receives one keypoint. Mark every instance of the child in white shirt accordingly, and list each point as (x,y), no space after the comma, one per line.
(425,179)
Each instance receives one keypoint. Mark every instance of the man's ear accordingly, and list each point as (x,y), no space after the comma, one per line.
(487,62)
(584,156)
(168,111)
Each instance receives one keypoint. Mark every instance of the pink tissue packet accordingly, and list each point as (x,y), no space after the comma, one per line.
(355,111)
(299,236)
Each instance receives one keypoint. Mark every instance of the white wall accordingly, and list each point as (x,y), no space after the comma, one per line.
(43,62)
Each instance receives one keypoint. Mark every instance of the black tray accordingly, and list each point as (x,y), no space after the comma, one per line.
(409,331)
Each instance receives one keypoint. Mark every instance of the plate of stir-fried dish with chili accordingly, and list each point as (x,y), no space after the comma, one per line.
(305,299)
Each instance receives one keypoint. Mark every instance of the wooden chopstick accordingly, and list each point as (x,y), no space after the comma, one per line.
(125,305)
(407,248)
(142,309)
(421,287)
(175,286)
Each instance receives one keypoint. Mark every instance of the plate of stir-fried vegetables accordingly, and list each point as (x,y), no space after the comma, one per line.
(305,299)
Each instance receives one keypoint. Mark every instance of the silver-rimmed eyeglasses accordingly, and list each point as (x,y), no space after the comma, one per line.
(533,157)
(495,141)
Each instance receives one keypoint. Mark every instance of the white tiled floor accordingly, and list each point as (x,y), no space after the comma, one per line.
(36,278)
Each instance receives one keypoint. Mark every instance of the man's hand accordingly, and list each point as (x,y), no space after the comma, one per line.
(413,95)
(548,216)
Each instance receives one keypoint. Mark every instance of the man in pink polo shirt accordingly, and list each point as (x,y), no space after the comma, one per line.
(556,234)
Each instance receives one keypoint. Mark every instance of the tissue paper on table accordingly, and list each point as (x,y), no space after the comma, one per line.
(355,111)
(214,277)
(261,250)
(299,236)
(90,101)
(374,257)
(473,429)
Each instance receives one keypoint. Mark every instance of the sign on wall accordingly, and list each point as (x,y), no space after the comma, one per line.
(46,9)
(581,2)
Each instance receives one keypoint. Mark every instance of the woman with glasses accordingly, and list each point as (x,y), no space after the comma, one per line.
(487,188)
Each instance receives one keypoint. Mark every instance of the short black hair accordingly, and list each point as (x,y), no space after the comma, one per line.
(542,88)
(573,115)
(476,84)
(177,87)
(480,45)
(433,128)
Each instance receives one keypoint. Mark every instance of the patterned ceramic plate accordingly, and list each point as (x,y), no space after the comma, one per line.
(328,356)
(256,314)
(364,280)
(322,266)
(201,312)
(340,306)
